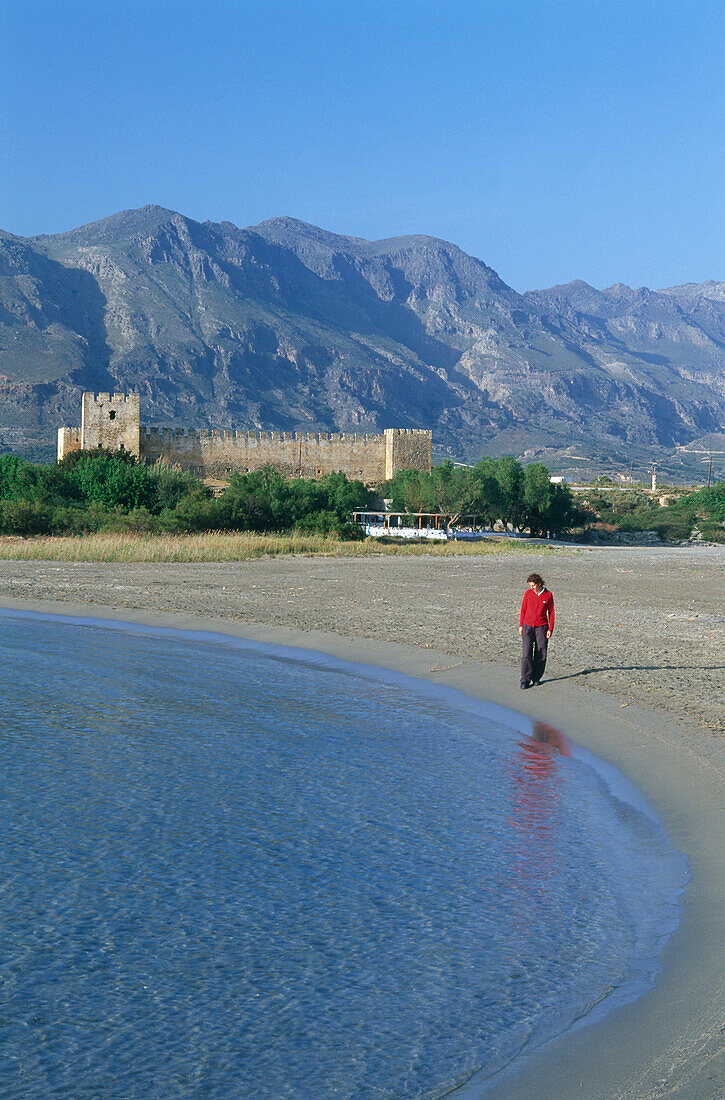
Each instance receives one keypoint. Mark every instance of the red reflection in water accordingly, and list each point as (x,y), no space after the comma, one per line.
(547,735)
(536,778)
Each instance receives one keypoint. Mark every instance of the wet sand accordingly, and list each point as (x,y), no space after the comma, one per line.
(635,674)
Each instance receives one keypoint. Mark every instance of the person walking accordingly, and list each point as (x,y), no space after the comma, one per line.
(536,625)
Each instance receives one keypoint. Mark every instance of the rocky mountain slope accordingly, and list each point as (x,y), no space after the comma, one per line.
(283,325)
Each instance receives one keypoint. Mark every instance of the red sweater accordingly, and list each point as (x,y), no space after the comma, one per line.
(537,609)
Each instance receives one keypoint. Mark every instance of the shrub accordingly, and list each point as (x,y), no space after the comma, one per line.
(19,480)
(25,517)
(115,479)
(196,512)
(172,486)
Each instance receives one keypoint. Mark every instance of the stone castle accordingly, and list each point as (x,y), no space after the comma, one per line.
(112,421)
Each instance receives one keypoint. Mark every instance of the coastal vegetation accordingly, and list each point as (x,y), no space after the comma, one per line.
(671,516)
(111,491)
(103,506)
(100,491)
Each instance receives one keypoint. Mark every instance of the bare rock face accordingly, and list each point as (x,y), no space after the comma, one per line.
(284,325)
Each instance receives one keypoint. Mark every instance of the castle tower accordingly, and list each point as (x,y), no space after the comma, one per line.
(111,421)
(407,449)
(69,439)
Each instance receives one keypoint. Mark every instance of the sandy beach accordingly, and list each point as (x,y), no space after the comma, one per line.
(645,626)
(635,674)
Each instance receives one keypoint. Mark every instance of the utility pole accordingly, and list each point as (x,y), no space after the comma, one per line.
(709,458)
(653,467)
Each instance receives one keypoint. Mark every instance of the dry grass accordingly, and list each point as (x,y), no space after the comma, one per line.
(224,546)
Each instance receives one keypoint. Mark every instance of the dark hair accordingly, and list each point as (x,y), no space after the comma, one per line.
(535,578)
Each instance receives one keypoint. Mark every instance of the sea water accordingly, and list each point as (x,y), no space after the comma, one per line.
(234,871)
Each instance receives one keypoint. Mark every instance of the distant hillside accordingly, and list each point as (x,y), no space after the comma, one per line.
(283,325)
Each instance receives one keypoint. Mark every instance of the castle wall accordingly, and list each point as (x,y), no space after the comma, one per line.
(294,454)
(111,421)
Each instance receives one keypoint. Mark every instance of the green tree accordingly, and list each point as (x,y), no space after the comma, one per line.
(563,513)
(537,494)
(409,491)
(264,500)
(20,480)
(510,478)
(490,502)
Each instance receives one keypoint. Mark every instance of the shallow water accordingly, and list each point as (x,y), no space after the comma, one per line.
(229,871)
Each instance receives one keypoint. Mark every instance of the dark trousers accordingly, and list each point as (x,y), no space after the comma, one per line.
(533,654)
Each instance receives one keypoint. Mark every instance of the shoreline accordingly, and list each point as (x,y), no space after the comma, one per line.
(643,626)
(667,1042)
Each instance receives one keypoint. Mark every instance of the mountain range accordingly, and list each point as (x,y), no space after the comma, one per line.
(283,325)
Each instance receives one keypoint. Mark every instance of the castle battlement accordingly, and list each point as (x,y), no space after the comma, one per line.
(408,431)
(102,399)
(112,421)
(154,433)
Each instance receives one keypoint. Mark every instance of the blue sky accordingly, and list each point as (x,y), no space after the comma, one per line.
(554,139)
